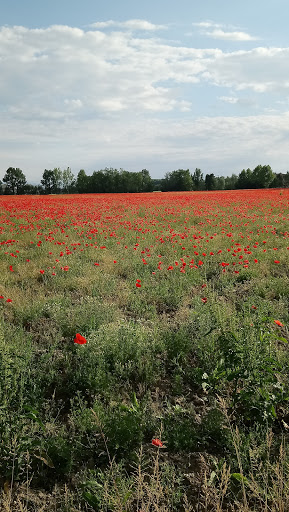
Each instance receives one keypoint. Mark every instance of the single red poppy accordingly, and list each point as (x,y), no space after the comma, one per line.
(157,442)
(80,340)
(278,323)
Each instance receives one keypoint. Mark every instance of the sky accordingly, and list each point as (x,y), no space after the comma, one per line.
(158,85)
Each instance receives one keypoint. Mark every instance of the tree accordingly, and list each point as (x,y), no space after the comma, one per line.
(57,180)
(48,181)
(245,179)
(262,176)
(82,182)
(281,180)
(220,183)
(177,180)
(33,189)
(146,181)
(68,180)
(231,182)
(198,180)
(15,181)
(210,182)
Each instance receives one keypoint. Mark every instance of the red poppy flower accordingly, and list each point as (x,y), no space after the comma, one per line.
(9,300)
(276,261)
(41,271)
(278,323)
(157,442)
(80,340)
(138,285)
(204,300)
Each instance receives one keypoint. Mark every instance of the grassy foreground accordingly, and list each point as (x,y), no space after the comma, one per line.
(182,304)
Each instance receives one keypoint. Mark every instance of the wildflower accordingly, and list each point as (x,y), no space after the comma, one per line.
(204,300)
(41,271)
(80,340)
(157,442)
(276,261)
(254,307)
(9,300)
(278,323)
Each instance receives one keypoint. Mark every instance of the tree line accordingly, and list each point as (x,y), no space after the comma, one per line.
(57,181)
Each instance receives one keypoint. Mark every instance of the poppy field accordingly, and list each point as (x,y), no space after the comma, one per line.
(144,362)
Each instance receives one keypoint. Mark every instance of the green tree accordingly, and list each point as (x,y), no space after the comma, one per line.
(48,181)
(210,182)
(231,182)
(57,180)
(281,180)
(15,181)
(198,180)
(220,183)
(177,180)
(146,181)
(82,182)
(33,189)
(68,180)
(245,179)
(262,176)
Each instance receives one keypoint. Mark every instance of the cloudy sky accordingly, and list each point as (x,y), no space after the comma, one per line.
(158,84)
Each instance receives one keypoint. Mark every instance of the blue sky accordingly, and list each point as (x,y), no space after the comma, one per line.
(159,84)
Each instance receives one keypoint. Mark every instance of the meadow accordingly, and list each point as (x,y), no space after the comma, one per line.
(144,352)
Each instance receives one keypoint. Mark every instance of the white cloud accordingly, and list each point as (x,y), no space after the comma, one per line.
(129,24)
(240,101)
(90,98)
(259,69)
(219,144)
(229,99)
(230,36)
(221,31)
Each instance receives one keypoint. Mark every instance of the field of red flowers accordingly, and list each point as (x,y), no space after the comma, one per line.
(144,326)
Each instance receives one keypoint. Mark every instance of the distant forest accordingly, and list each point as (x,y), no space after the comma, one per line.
(109,180)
